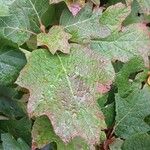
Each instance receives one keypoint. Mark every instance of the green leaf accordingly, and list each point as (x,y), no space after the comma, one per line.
(4,10)
(130,113)
(89,24)
(116,144)
(11,62)
(65,88)
(135,16)
(114,15)
(15,27)
(108,109)
(9,106)
(9,143)
(112,2)
(74,6)
(55,39)
(49,17)
(131,41)
(85,25)
(109,113)
(33,9)
(123,80)
(137,141)
(24,19)
(18,128)
(43,134)
(144,5)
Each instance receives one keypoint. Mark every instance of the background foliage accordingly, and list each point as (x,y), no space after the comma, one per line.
(74,75)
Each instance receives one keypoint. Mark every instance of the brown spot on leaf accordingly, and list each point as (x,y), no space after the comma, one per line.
(103,88)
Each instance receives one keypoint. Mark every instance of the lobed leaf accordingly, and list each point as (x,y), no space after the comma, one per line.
(89,24)
(144,5)
(130,113)
(24,19)
(43,134)
(10,143)
(137,141)
(65,88)
(11,62)
(55,39)
(131,41)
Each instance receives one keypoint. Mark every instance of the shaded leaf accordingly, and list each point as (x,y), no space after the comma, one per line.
(108,109)
(137,141)
(109,113)
(9,143)
(43,134)
(124,82)
(131,111)
(18,128)
(135,16)
(144,5)
(24,19)
(56,39)
(10,107)
(11,62)
(112,2)
(69,87)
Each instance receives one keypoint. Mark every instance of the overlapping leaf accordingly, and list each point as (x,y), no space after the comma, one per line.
(56,39)
(11,62)
(137,141)
(18,128)
(8,142)
(74,6)
(43,134)
(132,102)
(92,24)
(84,25)
(131,41)
(23,20)
(144,4)
(114,15)
(131,111)
(4,9)
(65,89)
(125,84)
(116,144)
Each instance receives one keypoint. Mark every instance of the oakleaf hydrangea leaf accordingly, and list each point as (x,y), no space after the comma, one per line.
(11,62)
(23,20)
(144,5)
(124,84)
(10,143)
(89,23)
(65,88)
(131,111)
(116,144)
(4,9)
(114,15)
(131,41)
(43,134)
(55,39)
(74,6)
(137,141)
(85,25)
